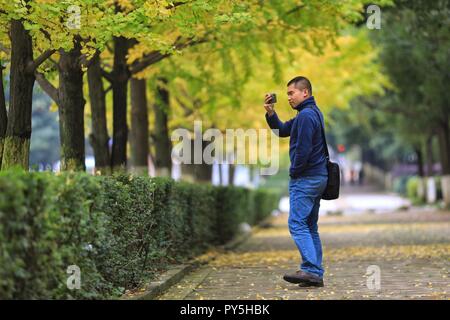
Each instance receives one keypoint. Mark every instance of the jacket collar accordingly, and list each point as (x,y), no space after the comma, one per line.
(306,103)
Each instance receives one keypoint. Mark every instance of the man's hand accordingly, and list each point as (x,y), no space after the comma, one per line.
(268,106)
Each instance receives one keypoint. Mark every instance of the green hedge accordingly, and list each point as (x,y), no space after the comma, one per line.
(399,184)
(47,224)
(119,230)
(412,190)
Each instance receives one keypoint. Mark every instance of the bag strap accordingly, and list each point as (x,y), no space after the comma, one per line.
(323,133)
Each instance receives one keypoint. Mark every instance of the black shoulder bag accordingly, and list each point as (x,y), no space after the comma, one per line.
(334,175)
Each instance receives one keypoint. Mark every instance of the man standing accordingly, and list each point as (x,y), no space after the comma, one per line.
(308,177)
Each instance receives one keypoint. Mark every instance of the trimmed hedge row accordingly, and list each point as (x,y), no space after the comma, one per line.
(118,230)
(409,186)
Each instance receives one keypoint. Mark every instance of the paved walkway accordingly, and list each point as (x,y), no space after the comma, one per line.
(410,248)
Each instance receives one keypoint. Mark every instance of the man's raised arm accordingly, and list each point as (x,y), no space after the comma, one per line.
(274,122)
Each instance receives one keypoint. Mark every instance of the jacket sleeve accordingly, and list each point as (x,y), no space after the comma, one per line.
(275,123)
(304,145)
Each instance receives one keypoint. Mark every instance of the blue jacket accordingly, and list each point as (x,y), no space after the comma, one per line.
(306,146)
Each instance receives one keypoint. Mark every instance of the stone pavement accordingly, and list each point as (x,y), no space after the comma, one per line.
(410,248)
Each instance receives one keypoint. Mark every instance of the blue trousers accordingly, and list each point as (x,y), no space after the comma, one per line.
(304,201)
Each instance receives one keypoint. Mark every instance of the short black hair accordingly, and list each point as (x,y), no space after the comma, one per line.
(301,83)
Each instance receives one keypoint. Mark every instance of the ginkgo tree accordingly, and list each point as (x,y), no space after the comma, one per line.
(230,97)
(73,31)
(15,128)
(278,26)
(220,24)
(118,40)
(38,30)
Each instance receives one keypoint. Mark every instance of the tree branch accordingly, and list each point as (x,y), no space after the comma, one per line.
(5,49)
(86,62)
(295,9)
(187,111)
(107,75)
(156,56)
(47,87)
(46,34)
(33,65)
(108,46)
(176,4)
(56,64)
(149,59)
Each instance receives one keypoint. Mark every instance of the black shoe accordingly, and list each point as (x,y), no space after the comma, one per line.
(303,277)
(311,284)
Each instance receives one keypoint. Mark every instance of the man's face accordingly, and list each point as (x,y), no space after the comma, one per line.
(296,95)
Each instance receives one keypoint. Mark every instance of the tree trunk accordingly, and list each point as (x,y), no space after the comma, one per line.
(99,137)
(444,147)
(219,165)
(231,170)
(139,125)
(71,110)
(203,171)
(188,169)
(120,76)
(429,153)
(230,160)
(3,114)
(163,144)
(420,166)
(17,139)
(192,171)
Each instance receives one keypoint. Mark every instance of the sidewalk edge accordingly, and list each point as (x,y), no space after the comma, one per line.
(177,273)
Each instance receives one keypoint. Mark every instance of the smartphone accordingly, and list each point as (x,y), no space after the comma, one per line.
(273,98)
